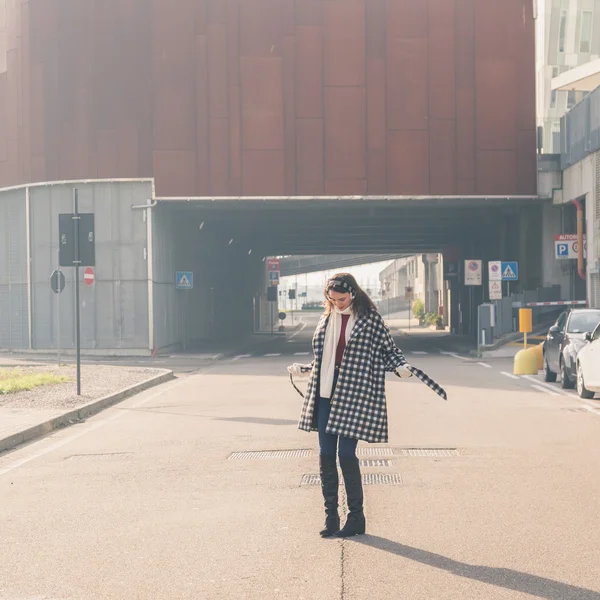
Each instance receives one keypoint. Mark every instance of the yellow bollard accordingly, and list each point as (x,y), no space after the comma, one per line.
(539,355)
(526,363)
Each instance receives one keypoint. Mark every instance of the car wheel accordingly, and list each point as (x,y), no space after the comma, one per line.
(565,380)
(581,389)
(549,375)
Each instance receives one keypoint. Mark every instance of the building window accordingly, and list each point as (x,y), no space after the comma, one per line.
(562,31)
(571,99)
(553,92)
(585,32)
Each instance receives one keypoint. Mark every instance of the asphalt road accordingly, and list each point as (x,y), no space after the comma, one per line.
(146,501)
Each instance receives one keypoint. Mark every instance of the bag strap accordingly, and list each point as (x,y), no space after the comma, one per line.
(295,387)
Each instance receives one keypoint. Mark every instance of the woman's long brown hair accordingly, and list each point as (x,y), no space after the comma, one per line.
(361,305)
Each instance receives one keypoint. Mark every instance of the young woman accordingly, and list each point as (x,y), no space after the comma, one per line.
(345,398)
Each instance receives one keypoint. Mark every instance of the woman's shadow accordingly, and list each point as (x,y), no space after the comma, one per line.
(506,578)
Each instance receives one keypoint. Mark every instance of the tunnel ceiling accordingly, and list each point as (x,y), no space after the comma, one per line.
(304,226)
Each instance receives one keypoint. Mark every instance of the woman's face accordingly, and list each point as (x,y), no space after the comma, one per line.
(340,300)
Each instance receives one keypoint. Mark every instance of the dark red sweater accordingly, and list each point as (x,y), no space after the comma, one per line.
(339,353)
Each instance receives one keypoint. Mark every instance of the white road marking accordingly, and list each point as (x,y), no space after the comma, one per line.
(482,364)
(453,355)
(557,391)
(301,353)
(239,356)
(545,390)
(273,354)
(508,375)
(299,330)
(89,428)
(418,352)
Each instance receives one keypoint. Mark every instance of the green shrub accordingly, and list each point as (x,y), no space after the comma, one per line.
(418,309)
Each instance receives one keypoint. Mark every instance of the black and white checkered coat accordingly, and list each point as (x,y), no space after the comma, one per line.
(358,405)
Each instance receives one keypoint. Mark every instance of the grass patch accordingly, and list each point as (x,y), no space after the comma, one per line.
(16,380)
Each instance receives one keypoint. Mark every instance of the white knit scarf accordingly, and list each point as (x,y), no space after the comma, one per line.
(332,337)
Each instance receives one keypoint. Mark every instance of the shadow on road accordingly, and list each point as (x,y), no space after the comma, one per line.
(540,587)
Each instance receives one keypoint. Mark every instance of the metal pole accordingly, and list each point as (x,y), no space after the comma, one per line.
(76,219)
(58,313)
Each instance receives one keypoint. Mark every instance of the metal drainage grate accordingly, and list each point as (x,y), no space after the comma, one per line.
(426,452)
(103,455)
(367,478)
(382,479)
(375,451)
(267,454)
(376,462)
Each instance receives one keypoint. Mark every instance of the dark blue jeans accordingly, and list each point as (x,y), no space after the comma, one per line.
(328,442)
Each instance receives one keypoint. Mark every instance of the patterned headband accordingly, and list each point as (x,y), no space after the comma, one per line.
(339,283)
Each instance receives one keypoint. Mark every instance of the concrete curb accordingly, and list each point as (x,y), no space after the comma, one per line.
(78,414)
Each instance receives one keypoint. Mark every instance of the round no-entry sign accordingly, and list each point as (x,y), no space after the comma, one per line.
(88,276)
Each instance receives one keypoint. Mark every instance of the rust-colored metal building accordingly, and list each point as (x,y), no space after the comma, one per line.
(271,97)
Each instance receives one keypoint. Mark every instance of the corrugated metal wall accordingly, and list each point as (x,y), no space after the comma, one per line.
(272,97)
(114,311)
(14,317)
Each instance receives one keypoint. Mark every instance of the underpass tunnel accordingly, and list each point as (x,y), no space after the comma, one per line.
(225,244)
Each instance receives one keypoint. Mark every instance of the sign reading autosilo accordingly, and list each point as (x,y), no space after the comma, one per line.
(66,236)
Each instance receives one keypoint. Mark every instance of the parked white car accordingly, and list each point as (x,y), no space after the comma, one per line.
(588,366)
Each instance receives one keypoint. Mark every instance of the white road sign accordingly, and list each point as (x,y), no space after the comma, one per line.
(567,246)
(495,290)
(473,272)
(495,270)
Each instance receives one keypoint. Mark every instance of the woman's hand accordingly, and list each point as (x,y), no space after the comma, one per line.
(298,370)
(403,372)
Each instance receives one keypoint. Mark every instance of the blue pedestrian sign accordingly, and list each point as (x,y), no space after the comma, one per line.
(184,280)
(510,271)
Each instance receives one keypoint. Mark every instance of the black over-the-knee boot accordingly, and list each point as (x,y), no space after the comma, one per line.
(329,485)
(355,523)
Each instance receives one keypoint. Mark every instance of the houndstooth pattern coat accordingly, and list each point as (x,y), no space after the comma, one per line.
(358,405)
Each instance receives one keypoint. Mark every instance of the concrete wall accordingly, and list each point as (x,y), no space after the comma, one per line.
(14,319)
(114,311)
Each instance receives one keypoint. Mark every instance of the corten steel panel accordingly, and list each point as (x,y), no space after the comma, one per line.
(527,160)
(261,28)
(345,133)
(496,170)
(408,162)
(309,73)
(441,59)
(309,12)
(407,89)
(376,122)
(175,117)
(442,156)
(407,18)
(263,173)
(216,12)
(376,172)
(217,71)
(289,116)
(218,152)
(465,133)
(202,131)
(376,28)
(233,42)
(344,44)
(177,172)
(496,105)
(345,187)
(309,157)
(235,141)
(166,78)
(262,103)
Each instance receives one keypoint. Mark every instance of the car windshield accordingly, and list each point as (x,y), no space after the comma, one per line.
(580,322)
